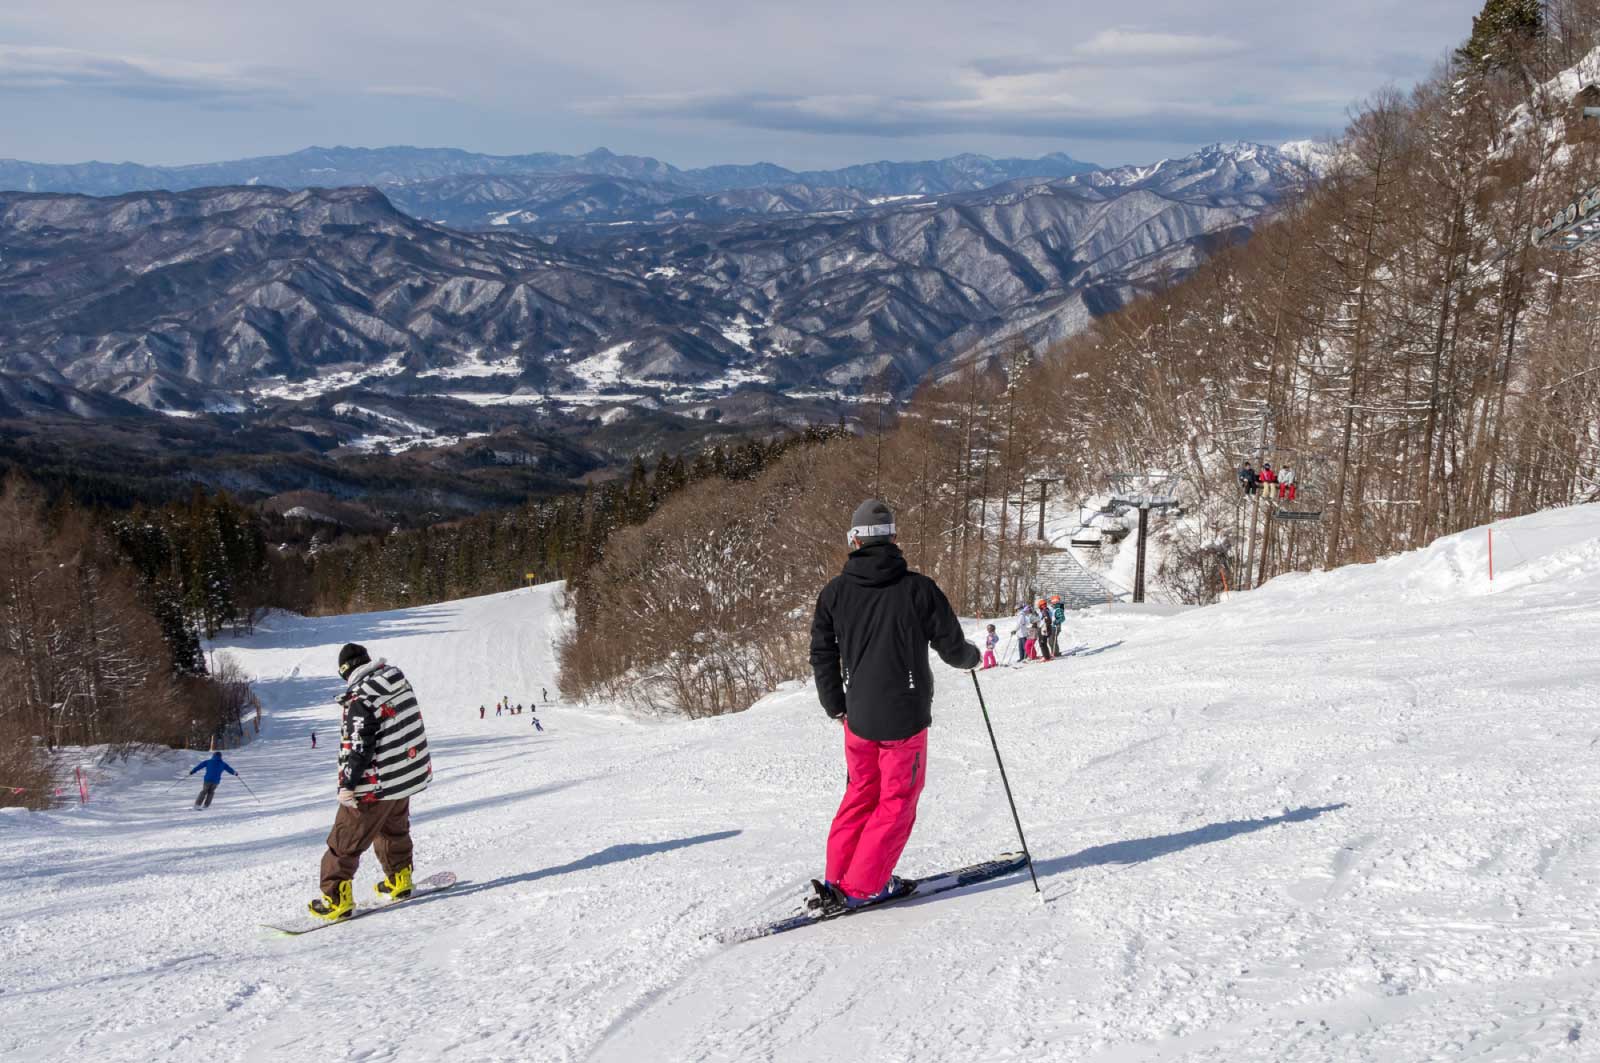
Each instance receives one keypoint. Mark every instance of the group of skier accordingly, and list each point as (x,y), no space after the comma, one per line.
(1038,632)
(506,708)
(1273,483)
(870,636)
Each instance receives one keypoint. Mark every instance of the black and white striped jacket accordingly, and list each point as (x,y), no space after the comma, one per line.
(383,750)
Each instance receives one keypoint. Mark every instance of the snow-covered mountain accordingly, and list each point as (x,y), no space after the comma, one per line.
(1233,173)
(220,299)
(543,202)
(392,166)
(1345,817)
(1221,174)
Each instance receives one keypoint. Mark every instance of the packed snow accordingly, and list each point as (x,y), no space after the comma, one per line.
(476,365)
(335,380)
(1349,816)
(602,369)
(738,332)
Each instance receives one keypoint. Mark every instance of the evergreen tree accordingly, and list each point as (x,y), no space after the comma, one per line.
(1501,32)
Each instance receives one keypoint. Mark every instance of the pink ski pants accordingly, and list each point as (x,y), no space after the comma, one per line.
(874,820)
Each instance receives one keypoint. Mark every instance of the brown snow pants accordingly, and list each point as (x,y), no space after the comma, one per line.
(383,825)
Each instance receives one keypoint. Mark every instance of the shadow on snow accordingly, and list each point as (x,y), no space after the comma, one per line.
(613,854)
(1139,850)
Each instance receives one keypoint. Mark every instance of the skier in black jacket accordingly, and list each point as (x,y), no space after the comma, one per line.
(869,653)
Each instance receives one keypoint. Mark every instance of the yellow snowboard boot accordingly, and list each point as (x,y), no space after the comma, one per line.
(331,908)
(397,887)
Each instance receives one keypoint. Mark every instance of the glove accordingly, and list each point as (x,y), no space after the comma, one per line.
(971,659)
(347,798)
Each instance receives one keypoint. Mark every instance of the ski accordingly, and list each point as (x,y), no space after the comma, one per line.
(922,887)
(422,887)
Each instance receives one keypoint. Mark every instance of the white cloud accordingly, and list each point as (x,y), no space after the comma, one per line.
(1123,43)
(733,80)
(42,69)
(416,92)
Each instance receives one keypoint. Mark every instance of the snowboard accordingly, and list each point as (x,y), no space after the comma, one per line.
(921,887)
(421,887)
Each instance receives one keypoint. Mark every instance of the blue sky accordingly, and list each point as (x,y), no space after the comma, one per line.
(800,84)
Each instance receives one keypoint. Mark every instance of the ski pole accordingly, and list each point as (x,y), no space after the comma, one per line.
(1005,782)
(246,786)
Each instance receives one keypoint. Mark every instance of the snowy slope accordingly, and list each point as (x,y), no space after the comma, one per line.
(1352,816)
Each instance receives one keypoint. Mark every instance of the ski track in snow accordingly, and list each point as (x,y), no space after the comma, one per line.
(1350,816)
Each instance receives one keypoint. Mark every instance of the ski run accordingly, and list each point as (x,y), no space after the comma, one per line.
(1350,816)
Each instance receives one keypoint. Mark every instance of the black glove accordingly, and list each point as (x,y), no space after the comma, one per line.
(971,659)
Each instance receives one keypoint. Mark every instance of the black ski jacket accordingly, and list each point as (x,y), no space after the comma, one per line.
(869,644)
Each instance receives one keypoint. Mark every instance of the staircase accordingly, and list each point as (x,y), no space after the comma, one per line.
(1060,572)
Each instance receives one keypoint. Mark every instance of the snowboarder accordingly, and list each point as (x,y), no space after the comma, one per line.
(1046,629)
(214,766)
(1058,613)
(873,624)
(990,641)
(383,762)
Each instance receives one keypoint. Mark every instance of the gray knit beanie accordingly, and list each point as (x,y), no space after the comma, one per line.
(871,523)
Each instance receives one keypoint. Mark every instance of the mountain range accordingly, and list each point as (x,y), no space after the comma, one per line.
(591,315)
(396,166)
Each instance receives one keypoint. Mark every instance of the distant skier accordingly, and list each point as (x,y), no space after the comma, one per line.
(537,726)
(1023,622)
(544,696)
(990,641)
(313,740)
(497,708)
(1046,629)
(873,624)
(214,766)
(1058,613)
(481,710)
(383,762)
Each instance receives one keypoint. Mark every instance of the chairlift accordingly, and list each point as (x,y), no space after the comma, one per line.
(1145,492)
(1088,537)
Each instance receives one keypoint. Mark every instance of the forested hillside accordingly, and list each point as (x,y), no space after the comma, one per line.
(1395,337)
